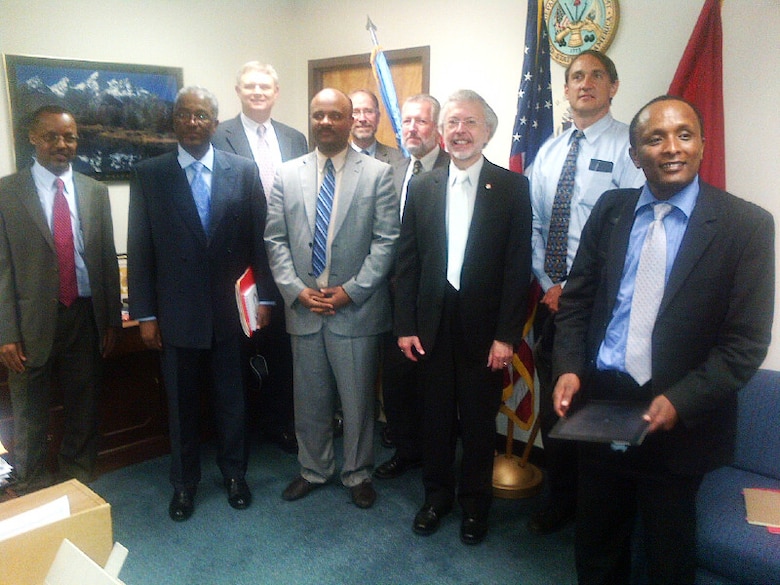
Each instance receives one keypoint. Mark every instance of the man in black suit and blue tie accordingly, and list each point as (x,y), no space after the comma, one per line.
(255,135)
(196,222)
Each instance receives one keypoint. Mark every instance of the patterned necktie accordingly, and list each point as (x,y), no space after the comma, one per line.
(417,167)
(201,194)
(265,161)
(324,207)
(648,292)
(457,228)
(558,236)
(62,230)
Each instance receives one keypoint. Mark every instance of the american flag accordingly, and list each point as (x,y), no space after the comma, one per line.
(534,120)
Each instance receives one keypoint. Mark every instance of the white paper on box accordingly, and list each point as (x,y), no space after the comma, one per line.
(48,513)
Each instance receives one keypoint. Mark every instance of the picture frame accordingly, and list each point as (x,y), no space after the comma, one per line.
(123,111)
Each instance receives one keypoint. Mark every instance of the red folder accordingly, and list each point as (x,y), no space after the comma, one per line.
(247,301)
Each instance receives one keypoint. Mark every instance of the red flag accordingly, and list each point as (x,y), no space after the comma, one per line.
(699,79)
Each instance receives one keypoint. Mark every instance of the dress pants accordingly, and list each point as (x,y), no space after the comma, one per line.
(184,371)
(76,366)
(328,367)
(401,394)
(460,395)
(560,456)
(275,406)
(614,487)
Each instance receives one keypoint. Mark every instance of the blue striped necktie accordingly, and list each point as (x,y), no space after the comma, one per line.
(324,207)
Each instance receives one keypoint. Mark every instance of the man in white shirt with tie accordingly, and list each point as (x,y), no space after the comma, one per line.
(597,146)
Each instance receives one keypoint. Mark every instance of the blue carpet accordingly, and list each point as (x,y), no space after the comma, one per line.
(322,539)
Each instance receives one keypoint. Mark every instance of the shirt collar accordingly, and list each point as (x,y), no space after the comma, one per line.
(370,149)
(44,176)
(684,200)
(429,159)
(251,126)
(596,129)
(473,171)
(338,160)
(186,159)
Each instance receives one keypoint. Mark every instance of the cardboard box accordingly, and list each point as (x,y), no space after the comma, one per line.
(25,559)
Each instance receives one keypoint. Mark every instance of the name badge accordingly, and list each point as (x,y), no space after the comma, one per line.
(601,166)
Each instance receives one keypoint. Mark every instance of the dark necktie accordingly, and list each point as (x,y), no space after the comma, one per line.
(63,242)
(558,236)
(324,207)
(201,194)
(417,167)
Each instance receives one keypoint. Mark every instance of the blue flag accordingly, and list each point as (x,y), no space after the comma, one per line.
(534,120)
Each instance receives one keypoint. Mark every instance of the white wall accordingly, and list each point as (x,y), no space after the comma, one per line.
(473,44)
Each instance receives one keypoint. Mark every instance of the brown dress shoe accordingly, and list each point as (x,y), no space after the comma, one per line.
(299,488)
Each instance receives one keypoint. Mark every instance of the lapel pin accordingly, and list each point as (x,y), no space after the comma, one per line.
(488,186)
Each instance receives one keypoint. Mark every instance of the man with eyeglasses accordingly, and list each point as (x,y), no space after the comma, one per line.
(420,134)
(255,135)
(196,222)
(464,266)
(60,306)
(365,114)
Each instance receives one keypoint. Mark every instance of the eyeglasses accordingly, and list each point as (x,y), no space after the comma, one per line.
(52,138)
(468,123)
(197,117)
(357,112)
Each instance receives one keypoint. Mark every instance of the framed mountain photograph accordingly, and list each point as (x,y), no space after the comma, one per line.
(123,112)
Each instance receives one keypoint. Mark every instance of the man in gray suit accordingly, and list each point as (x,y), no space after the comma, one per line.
(332,224)
(365,114)
(59,299)
(254,135)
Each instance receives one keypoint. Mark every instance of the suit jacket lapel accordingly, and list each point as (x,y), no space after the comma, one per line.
(31,201)
(618,245)
(85,207)
(702,227)
(353,166)
(307,174)
(285,148)
(236,137)
(223,180)
(175,180)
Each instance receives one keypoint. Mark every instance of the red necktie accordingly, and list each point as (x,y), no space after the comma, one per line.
(63,242)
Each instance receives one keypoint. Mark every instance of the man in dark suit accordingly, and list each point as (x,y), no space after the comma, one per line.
(400,392)
(332,228)
(257,87)
(464,267)
(196,222)
(366,117)
(709,329)
(60,306)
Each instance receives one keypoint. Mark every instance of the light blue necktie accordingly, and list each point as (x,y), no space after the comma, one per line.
(201,194)
(324,207)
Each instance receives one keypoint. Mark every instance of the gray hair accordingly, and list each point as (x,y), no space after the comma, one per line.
(428,99)
(468,95)
(202,93)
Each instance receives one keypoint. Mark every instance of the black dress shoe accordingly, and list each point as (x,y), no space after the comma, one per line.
(551,519)
(299,487)
(182,505)
(473,529)
(239,496)
(428,519)
(363,494)
(396,466)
